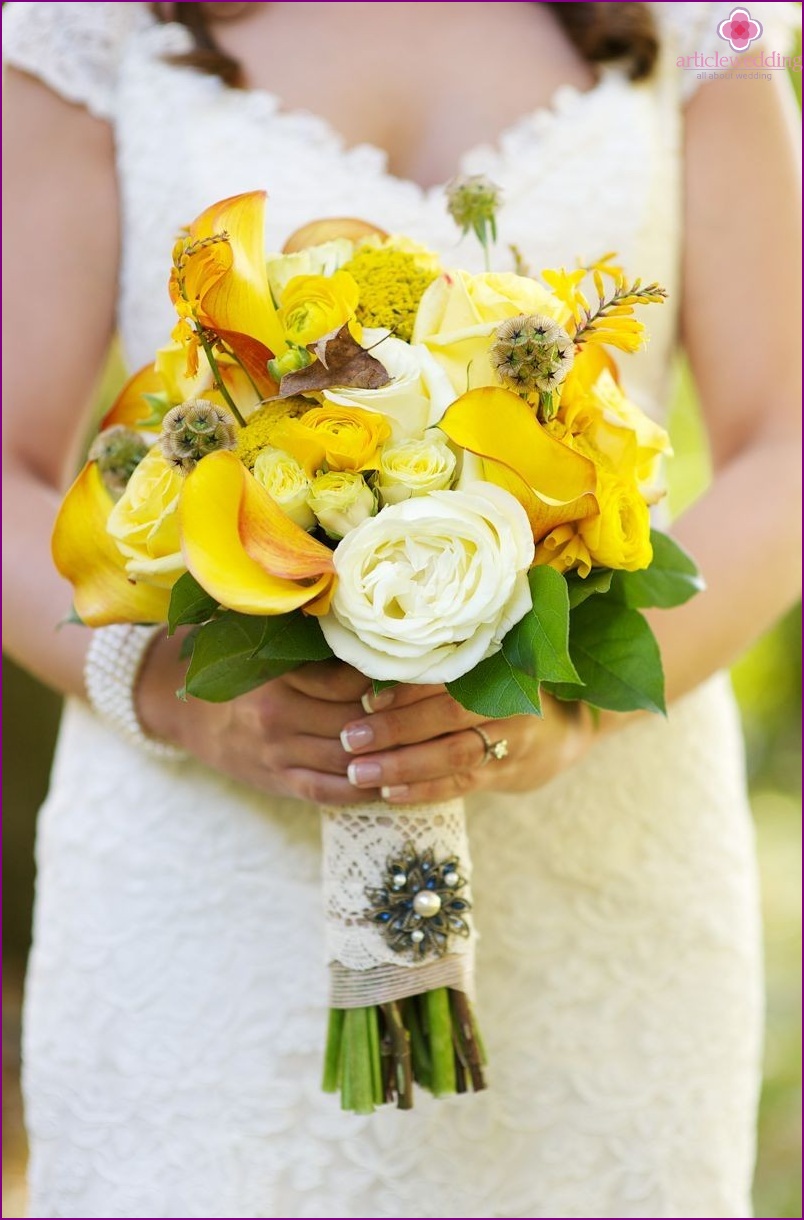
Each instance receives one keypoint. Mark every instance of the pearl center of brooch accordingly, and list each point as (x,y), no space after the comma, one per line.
(426,904)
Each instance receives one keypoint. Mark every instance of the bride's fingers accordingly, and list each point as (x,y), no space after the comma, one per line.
(287,712)
(325,789)
(331,681)
(456,757)
(407,724)
(310,753)
(397,696)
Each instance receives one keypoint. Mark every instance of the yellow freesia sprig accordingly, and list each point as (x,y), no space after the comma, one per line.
(611,320)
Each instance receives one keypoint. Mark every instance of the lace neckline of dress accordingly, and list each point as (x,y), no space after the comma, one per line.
(566,100)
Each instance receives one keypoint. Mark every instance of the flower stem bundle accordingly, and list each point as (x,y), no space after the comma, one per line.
(375,1054)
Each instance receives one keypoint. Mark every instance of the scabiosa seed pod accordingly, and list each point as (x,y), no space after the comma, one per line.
(118,452)
(195,429)
(532,354)
(472,202)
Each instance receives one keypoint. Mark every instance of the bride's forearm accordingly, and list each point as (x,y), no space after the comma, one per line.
(36,600)
(744,533)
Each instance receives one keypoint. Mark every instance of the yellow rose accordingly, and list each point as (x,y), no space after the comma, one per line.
(414,468)
(315,305)
(459,313)
(618,536)
(340,501)
(613,427)
(342,438)
(286,484)
(144,523)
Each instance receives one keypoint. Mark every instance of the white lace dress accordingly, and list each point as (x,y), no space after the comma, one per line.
(175,1005)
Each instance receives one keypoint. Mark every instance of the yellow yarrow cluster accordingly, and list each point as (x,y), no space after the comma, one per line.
(391,283)
(256,435)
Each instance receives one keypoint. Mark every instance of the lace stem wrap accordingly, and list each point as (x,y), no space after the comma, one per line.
(358,843)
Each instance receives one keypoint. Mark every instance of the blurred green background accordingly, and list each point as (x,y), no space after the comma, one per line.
(768,685)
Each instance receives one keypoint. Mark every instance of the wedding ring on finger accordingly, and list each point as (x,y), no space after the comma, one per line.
(496,750)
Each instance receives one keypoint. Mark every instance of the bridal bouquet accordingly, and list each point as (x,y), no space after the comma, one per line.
(348,450)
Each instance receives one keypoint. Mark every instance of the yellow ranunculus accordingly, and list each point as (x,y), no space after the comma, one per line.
(618,536)
(459,313)
(144,523)
(324,259)
(315,305)
(342,438)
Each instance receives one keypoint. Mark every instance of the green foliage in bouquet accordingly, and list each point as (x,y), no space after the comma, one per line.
(582,639)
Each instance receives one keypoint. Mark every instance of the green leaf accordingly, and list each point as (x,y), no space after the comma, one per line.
(617,657)
(225,663)
(293,637)
(159,408)
(189,603)
(188,644)
(378,684)
(538,644)
(598,581)
(671,579)
(495,689)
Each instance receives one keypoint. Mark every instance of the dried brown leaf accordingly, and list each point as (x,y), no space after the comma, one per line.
(339,361)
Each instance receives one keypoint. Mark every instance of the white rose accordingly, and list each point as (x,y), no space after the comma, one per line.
(429,587)
(414,468)
(341,500)
(286,483)
(417,395)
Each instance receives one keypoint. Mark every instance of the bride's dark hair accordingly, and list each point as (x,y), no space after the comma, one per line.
(600,32)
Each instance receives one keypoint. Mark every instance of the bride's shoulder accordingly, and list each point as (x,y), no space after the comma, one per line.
(75,48)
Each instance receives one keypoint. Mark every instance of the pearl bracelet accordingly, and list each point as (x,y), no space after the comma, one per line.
(112,667)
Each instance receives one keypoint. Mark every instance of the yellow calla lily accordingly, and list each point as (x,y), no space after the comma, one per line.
(319,231)
(242,548)
(130,408)
(553,483)
(88,557)
(219,271)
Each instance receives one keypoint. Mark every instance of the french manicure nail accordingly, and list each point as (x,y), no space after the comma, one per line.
(356,737)
(364,774)
(377,702)
(395,792)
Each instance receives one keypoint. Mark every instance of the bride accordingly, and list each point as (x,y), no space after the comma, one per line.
(175,1002)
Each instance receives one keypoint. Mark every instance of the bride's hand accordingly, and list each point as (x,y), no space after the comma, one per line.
(419,745)
(283,738)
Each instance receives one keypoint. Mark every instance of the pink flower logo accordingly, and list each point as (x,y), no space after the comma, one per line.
(739,29)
